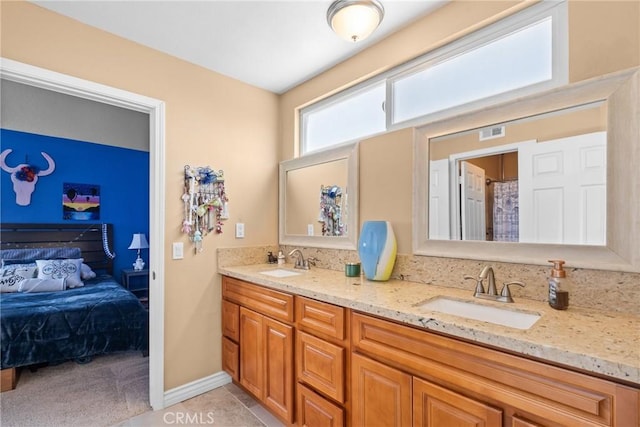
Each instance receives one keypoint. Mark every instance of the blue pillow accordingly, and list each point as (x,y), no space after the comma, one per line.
(24,255)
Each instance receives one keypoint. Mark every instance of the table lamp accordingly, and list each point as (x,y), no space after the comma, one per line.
(139,241)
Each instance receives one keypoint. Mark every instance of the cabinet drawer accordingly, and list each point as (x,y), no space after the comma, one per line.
(316,411)
(275,304)
(231,320)
(230,355)
(548,392)
(321,317)
(321,365)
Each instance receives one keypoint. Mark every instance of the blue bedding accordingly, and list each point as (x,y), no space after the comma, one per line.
(101,317)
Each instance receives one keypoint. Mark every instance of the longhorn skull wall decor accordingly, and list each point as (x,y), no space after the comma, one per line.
(25,176)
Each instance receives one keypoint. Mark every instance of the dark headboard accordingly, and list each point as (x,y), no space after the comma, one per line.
(87,237)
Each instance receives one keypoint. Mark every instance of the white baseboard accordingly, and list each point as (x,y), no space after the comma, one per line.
(195,388)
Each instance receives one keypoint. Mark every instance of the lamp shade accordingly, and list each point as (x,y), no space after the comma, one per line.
(139,241)
(355,20)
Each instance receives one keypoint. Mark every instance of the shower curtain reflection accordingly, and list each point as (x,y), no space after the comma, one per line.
(505,211)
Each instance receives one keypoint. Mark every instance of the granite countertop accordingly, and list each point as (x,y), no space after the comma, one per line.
(599,342)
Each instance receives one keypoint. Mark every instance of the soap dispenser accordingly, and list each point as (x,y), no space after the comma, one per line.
(558,286)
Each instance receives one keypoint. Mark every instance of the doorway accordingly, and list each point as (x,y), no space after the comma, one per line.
(53,81)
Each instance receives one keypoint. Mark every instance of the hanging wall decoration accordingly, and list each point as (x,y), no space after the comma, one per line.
(80,201)
(25,176)
(205,203)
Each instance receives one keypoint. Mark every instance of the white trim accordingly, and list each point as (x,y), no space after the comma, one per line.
(195,388)
(69,85)
(454,181)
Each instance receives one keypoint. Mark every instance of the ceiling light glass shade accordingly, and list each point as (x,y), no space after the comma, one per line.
(355,20)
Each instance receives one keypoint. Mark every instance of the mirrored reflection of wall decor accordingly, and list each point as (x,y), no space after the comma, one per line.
(548,176)
(312,212)
(331,207)
(205,203)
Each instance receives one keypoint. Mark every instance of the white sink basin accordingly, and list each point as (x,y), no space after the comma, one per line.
(485,313)
(280,273)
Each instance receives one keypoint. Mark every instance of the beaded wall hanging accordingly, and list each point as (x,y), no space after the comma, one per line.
(205,203)
(331,207)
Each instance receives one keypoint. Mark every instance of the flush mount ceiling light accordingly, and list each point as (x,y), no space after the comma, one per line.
(355,20)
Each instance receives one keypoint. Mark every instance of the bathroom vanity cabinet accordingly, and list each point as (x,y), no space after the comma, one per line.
(357,369)
(437,380)
(322,349)
(261,356)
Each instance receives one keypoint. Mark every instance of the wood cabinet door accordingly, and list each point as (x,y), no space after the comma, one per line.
(516,421)
(321,365)
(315,411)
(435,406)
(251,351)
(381,396)
(278,364)
(230,320)
(230,356)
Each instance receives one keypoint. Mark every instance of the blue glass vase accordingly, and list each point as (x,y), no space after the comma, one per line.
(377,249)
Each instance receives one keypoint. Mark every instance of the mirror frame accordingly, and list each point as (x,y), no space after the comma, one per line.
(350,241)
(622,252)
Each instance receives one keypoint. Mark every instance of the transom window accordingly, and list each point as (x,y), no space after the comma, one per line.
(518,55)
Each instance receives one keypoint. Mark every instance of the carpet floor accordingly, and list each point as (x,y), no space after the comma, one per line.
(104,392)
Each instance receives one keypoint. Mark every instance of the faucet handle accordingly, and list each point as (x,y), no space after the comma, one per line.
(506,292)
(479,287)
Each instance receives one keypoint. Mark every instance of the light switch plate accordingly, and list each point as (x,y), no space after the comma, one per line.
(239,230)
(178,250)
(310,230)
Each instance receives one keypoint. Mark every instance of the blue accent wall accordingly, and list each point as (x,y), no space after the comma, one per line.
(122,174)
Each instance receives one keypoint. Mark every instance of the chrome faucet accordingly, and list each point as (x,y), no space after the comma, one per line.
(300,261)
(491,292)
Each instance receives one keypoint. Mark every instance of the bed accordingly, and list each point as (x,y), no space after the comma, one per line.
(99,317)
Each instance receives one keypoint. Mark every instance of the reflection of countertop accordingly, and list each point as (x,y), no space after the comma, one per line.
(598,342)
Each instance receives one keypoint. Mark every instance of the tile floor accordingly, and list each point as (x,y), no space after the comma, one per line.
(227,406)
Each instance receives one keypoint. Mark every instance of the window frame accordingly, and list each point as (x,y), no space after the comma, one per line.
(329,101)
(556,10)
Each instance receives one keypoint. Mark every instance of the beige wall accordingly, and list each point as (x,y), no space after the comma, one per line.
(542,129)
(210,120)
(386,183)
(604,37)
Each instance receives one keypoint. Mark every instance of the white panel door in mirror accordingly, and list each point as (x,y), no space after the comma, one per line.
(563,190)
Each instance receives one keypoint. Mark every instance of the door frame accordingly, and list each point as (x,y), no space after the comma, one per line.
(454,179)
(46,79)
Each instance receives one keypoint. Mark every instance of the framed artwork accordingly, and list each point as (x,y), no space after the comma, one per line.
(80,201)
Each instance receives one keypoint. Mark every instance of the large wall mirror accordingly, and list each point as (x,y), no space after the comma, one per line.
(549,176)
(319,199)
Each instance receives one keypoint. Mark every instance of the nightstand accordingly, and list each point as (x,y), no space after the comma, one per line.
(137,281)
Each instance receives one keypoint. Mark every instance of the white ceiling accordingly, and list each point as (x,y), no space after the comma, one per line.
(274,45)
